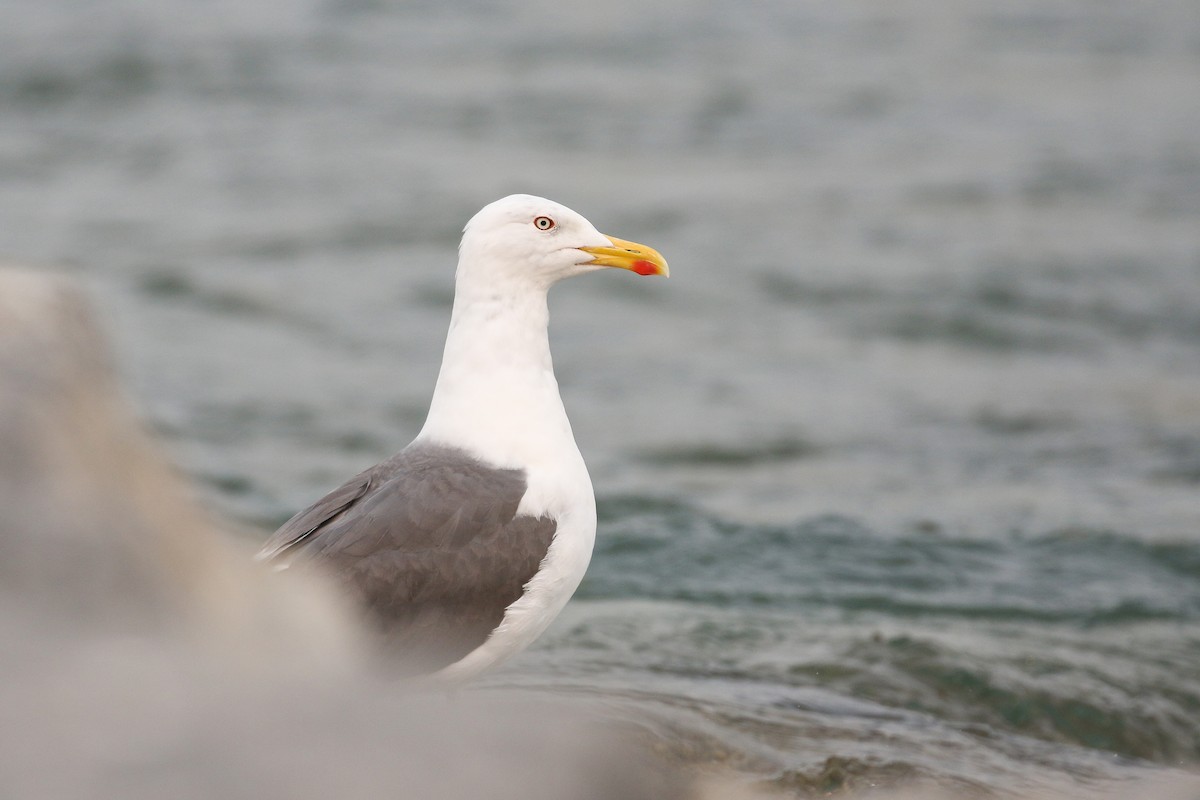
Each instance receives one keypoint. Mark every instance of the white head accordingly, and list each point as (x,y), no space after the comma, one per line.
(531,241)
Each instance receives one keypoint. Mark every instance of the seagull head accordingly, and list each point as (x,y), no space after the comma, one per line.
(530,241)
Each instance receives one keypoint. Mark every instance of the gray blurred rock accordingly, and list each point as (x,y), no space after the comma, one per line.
(97,531)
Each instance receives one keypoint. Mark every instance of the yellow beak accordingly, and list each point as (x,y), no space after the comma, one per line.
(629,255)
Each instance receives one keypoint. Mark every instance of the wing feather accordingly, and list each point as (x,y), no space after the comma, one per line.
(431,545)
(320,513)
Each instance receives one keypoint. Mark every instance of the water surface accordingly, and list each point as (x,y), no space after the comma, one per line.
(898,474)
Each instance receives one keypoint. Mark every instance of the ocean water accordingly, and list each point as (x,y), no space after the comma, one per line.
(898,475)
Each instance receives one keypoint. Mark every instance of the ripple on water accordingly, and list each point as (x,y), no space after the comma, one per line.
(1035,636)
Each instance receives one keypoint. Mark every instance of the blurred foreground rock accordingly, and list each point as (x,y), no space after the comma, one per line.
(97,532)
(144,655)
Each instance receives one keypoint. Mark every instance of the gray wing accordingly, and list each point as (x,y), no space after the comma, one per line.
(430,543)
(319,514)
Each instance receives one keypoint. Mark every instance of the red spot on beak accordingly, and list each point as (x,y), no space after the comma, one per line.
(644,268)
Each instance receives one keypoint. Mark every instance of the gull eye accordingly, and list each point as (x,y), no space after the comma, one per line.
(543,223)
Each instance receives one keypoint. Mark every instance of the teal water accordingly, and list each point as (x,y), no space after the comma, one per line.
(898,475)
(1076,636)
